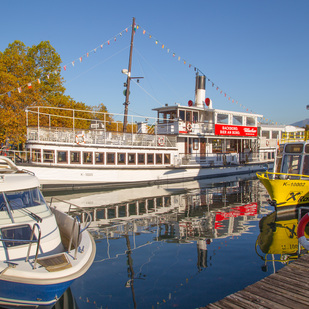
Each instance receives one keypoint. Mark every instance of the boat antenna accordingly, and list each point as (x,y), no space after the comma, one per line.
(128,73)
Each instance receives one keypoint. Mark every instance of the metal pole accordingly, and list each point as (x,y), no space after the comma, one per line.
(126,104)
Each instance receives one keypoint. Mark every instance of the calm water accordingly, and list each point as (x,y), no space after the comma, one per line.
(177,246)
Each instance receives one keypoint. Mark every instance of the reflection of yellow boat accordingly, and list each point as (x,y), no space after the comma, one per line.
(289,186)
(278,236)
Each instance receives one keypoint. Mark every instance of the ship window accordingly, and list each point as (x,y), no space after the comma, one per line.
(48,156)
(306,165)
(131,158)
(222,118)
(182,115)
(195,144)
(36,155)
(62,156)
(141,158)
(307,148)
(237,120)
(21,232)
(167,158)
(275,134)
(75,157)
(188,116)
(266,134)
(121,158)
(110,158)
(195,117)
(87,157)
(250,121)
(150,158)
(294,148)
(291,164)
(99,158)
(159,158)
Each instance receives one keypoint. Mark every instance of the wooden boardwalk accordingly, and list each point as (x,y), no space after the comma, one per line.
(287,288)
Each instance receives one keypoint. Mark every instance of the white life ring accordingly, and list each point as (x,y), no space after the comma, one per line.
(301,231)
(80,139)
(161,140)
(189,127)
(267,142)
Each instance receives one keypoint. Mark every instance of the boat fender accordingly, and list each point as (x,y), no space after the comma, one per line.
(301,231)
(160,140)
(80,139)
(189,127)
(267,143)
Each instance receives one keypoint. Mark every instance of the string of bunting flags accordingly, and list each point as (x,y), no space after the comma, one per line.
(157,42)
(65,67)
(191,66)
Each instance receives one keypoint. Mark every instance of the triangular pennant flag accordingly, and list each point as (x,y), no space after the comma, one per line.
(115,39)
(65,67)
(108,42)
(101,45)
(29,85)
(87,54)
(73,63)
(19,89)
(47,76)
(80,59)
(39,82)
(144,31)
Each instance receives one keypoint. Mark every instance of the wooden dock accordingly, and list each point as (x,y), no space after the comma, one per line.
(287,288)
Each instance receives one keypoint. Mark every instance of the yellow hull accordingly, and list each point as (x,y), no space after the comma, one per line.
(289,192)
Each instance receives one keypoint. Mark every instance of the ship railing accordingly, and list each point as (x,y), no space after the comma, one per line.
(289,137)
(220,158)
(25,241)
(179,126)
(71,226)
(283,176)
(209,159)
(97,137)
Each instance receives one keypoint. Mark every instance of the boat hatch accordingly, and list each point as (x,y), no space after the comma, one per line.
(20,233)
(55,263)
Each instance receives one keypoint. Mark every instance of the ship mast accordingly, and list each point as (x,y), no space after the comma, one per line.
(128,73)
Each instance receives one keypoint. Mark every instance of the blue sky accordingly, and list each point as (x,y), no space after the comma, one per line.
(257,52)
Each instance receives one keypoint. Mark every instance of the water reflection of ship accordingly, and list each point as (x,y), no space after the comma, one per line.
(197,215)
(278,238)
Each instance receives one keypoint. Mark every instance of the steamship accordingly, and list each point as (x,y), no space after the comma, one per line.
(183,143)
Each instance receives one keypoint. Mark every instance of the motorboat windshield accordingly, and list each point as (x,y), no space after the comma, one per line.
(18,206)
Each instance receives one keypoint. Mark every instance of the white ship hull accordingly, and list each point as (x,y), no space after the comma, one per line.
(70,178)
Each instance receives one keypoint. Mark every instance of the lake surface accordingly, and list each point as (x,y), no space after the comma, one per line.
(176,246)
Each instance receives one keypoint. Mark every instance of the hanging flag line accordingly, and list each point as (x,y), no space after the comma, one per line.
(29,85)
(191,66)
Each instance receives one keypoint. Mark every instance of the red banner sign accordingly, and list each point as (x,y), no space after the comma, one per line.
(225,129)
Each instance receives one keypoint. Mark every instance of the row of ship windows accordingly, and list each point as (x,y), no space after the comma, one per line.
(88,157)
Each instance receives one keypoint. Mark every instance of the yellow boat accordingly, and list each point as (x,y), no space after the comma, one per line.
(288,187)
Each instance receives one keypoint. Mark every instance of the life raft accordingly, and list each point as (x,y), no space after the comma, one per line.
(80,139)
(301,231)
(161,141)
(189,127)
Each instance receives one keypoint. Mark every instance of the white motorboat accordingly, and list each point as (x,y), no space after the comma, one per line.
(42,250)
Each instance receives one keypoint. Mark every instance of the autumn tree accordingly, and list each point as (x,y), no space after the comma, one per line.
(29,77)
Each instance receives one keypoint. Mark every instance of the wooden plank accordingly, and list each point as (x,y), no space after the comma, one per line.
(243,301)
(229,304)
(269,295)
(287,294)
(286,284)
(292,279)
(264,303)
